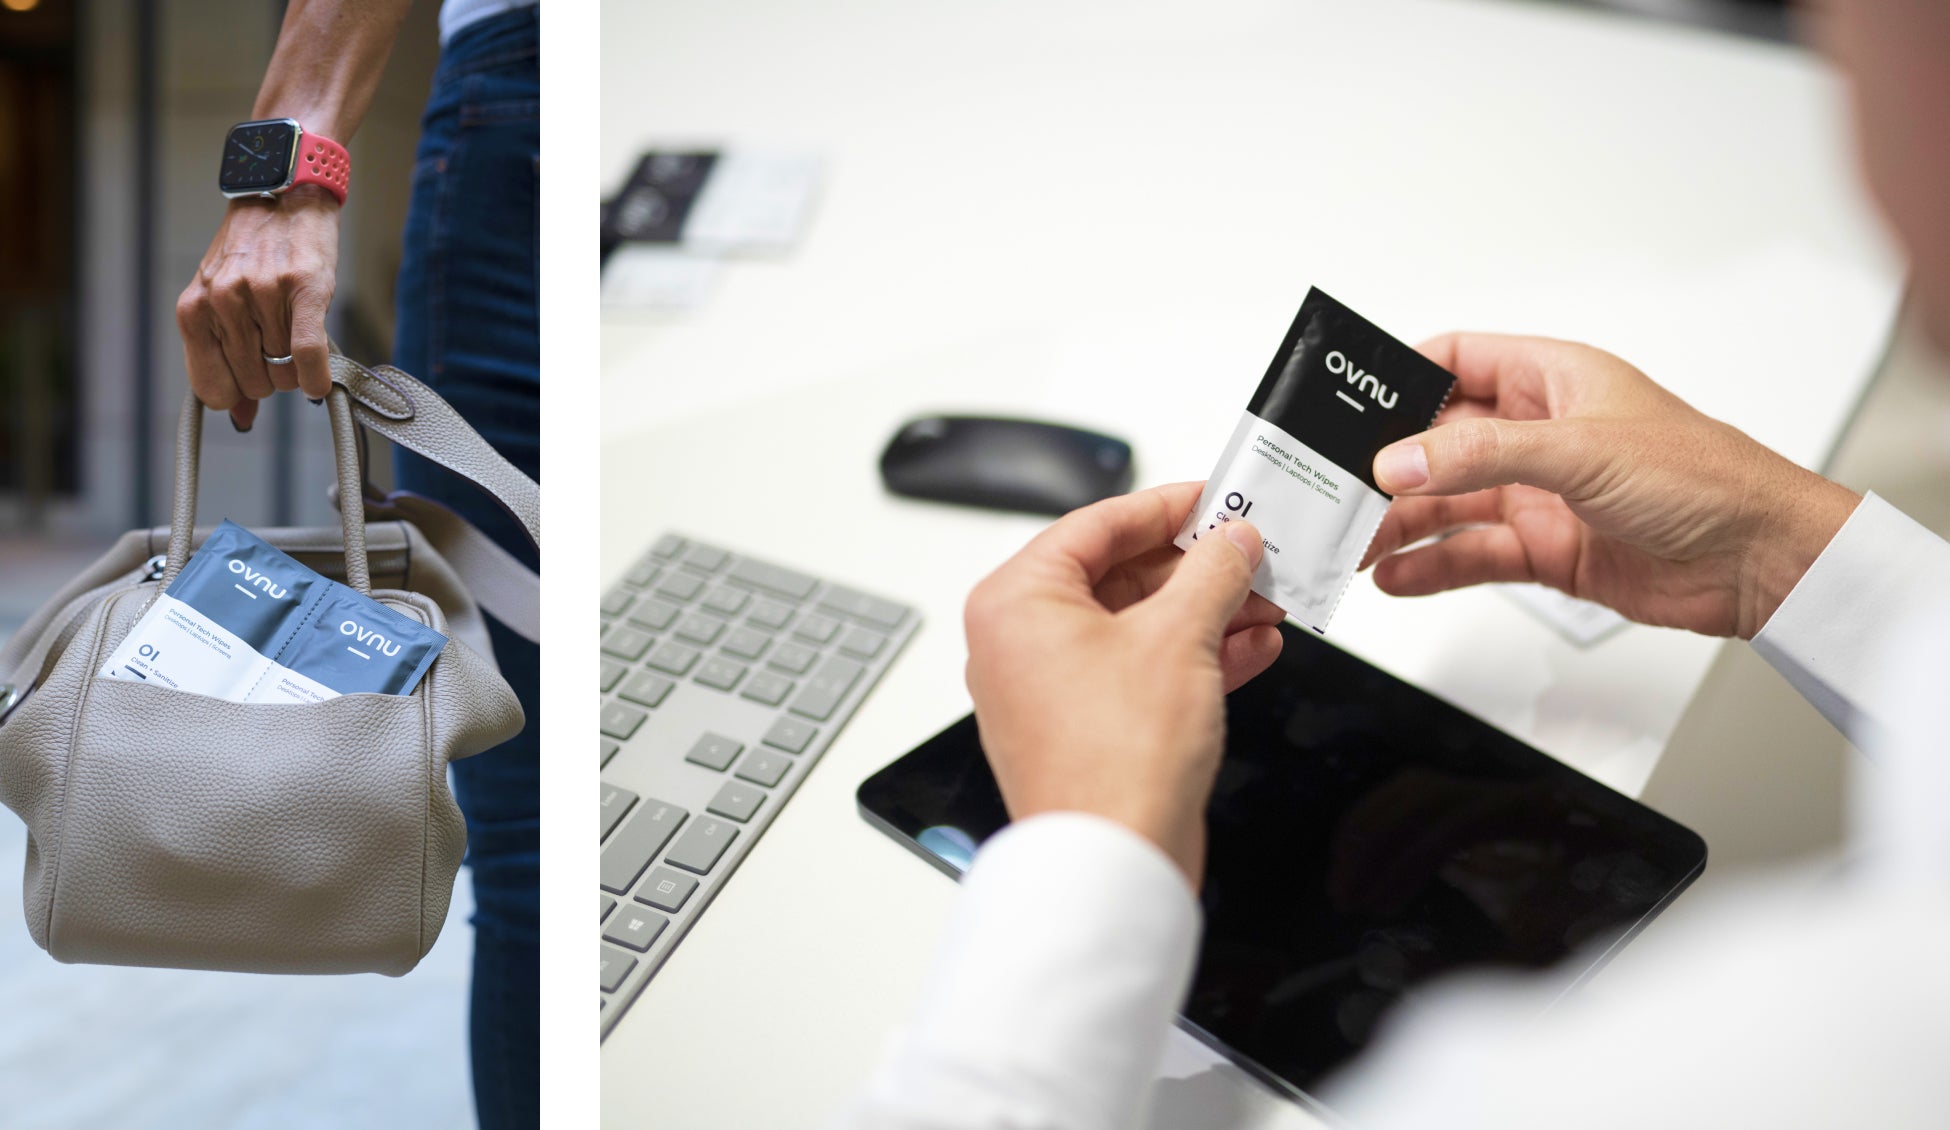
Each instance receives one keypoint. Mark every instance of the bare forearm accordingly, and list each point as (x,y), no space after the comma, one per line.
(253,316)
(329,57)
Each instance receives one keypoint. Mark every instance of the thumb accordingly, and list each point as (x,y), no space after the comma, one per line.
(1213,579)
(1481,452)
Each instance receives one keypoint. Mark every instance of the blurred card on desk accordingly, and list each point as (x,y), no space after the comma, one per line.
(650,277)
(721,202)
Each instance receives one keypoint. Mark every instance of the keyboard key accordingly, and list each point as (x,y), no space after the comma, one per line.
(714,751)
(746,643)
(790,645)
(646,688)
(636,843)
(642,574)
(721,674)
(616,803)
(616,966)
(768,688)
(706,559)
(790,735)
(654,614)
(621,721)
(635,928)
(770,614)
(827,687)
(817,628)
(794,657)
(700,847)
(880,613)
(681,586)
(699,628)
(626,643)
(764,767)
(736,802)
(667,890)
(771,578)
(674,657)
(863,643)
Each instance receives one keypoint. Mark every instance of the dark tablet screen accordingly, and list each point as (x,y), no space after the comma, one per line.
(1365,838)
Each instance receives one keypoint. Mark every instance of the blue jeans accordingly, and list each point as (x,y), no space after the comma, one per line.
(469,327)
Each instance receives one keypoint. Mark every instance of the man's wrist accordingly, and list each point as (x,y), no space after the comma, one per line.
(1807,518)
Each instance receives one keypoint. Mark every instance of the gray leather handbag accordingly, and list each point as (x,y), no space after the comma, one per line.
(172,829)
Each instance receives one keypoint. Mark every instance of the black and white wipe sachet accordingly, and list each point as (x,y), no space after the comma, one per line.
(1300,465)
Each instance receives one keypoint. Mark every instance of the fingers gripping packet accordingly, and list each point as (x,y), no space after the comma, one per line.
(246,623)
(1300,465)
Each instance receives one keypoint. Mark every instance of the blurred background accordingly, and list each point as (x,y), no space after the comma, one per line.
(1767,19)
(112,118)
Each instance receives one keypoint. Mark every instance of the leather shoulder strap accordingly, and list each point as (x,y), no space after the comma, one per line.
(501,585)
(414,417)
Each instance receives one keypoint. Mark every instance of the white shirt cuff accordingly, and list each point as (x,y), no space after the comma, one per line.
(1828,637)
(1070,950)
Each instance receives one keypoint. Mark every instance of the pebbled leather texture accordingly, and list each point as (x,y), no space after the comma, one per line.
(172,829)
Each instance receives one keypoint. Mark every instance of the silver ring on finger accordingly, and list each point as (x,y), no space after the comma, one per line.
(284,360)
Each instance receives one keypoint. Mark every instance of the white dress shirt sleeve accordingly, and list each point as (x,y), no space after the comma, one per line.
(1830,636)
(1069,952)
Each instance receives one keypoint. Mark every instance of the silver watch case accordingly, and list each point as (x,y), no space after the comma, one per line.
(290,168)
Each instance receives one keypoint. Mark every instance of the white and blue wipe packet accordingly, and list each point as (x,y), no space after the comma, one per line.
(246,623)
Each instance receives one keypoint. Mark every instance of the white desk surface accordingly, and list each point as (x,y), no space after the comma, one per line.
(1108,216)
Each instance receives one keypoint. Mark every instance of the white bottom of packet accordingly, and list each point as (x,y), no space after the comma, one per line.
(175,646)
(1315,518)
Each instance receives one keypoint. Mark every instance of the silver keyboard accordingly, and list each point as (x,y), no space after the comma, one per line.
(724,679)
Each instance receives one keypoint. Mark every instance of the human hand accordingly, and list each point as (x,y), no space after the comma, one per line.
(262,291)
(1099,658)
(1559,463)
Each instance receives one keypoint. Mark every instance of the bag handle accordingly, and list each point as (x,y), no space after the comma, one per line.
(414,417)
(406,412)
(352,510)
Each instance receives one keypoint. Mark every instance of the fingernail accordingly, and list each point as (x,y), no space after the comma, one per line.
(237,426)
(1245,539)
(1403,466)
(316,400)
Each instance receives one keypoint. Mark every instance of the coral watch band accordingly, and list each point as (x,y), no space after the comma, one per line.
(323,162)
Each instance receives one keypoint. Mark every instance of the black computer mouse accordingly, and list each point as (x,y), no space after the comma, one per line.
(1005,464)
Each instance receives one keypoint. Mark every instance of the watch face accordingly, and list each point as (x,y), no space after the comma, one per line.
(257,156)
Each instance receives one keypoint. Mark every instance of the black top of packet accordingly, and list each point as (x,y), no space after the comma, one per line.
(1345,388)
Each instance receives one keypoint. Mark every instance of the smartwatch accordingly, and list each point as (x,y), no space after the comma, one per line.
(272,157)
